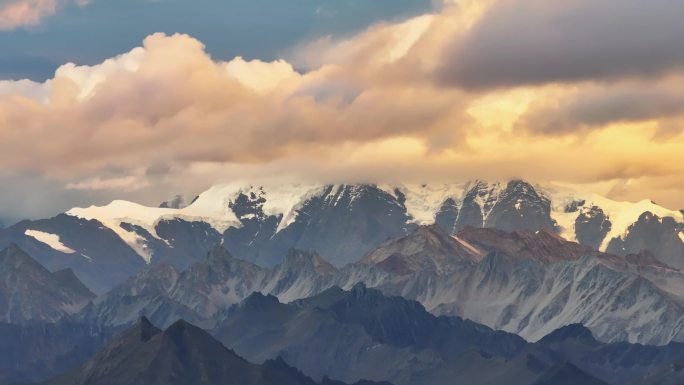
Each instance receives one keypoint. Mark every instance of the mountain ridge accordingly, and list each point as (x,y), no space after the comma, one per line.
(182,354)
(260,224)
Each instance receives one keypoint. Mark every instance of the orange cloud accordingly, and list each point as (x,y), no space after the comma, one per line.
(365,109)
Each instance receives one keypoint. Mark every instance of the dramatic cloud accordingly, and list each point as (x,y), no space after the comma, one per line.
(17,13)
(522,42)
(168,118)
(170,102)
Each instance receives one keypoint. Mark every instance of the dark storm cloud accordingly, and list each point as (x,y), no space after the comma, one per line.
(531,42)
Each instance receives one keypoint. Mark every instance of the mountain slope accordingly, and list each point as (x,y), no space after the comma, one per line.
(532,282)
(182,354)
(98,256)
(528,282)
(145,294)
(28,291)
(670,374)
(616,363)
(428,249)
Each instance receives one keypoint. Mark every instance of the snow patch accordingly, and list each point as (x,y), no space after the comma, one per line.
(51,240)
(620,214)
(279,200)
(286,200)
(211,207)
(486,195)
(424,201)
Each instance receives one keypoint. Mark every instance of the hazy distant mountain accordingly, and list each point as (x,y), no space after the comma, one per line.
(362,333)
(616,363)
(104,245)
(355,334)
(38,351)
(669,374)
(145,294)
(29,292)
(180,355)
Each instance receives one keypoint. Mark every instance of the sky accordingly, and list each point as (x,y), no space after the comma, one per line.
(146,99)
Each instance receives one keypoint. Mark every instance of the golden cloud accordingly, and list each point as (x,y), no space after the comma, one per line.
(366,108)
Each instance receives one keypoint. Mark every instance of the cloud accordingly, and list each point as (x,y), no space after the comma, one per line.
(531,42)
(167,116)
(24,12)
(168,101)
(18,13)
(593,106)
(126,183)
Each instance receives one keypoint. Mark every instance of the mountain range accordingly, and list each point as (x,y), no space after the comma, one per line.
(105,245)
(361,333)
(483,283)
(346,335)
(525,282)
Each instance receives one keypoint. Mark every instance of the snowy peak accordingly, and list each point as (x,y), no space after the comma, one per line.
(615,217)
(423,201)
(344,222)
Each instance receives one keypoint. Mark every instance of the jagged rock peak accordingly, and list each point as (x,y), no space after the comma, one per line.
(574,331)
(257,300)
(15,259)
(14,254)
(359,290)
(300,258)
(219,253)
(145,329)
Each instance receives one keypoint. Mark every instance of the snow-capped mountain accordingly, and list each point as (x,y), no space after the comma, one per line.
(106,244)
